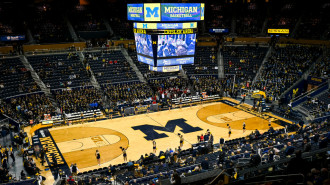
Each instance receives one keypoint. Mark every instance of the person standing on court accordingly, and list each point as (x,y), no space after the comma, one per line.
(98,157)
(124,153)
(181,140)
(42,156)
(82,117)
(229,131)
(244,127)
(95,116)
(180,103)
(74,169)
(221,142)
(154,148)
(111,113)
(243,99)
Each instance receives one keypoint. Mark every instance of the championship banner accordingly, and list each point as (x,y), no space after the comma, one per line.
(279,31)
(165,68)
(156,12)
(155,26)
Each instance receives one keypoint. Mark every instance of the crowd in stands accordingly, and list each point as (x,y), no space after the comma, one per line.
(243,61)
(122,28)
(127,93)
(319,106)
(109,67)
(5,29)
(314,22)
(285,66)
(205,61)
(234,156)
(321,68)
(170,87)
(5,155)
(28,107)
(14,154)
(84,20)
(209,84)
(250,20)
(15,78)
(12,26)
(19,98)
(219,15)
(60,71)
(78,99)
(47,27)
(49,23)
(284,16)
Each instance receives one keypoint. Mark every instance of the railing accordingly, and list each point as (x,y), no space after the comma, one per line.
(275,177)
(262,64)
(25,94)
(303,77)
(96,49)
(52,51)
(309,92)
(75,87)
(264,166)
(121,82)
(312,93)
(221,71)
(214,181)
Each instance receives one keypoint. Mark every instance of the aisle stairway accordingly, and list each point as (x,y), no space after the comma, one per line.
(37,79)
(131,63)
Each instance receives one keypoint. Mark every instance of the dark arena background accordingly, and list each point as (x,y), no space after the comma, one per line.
(164,92)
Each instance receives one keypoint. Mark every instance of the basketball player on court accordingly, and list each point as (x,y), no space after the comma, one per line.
(94,116)
(124,153)
(111,113)
(229,131)
(148,109)
(154,148)
(98,157)
(82,117)
(243,99)
(181,140)
(243,127)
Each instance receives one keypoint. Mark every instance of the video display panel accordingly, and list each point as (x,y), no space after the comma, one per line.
(176,45)
(175,61)
(135,12)
(159,12)
(143,44)
(181,11)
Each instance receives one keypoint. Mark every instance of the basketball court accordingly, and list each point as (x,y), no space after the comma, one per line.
(78,143)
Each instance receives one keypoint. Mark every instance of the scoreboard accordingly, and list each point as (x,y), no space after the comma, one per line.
(165,37)
(176,31)
(161,12)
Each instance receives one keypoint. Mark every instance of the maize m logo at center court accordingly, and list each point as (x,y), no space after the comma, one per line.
(151,134)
